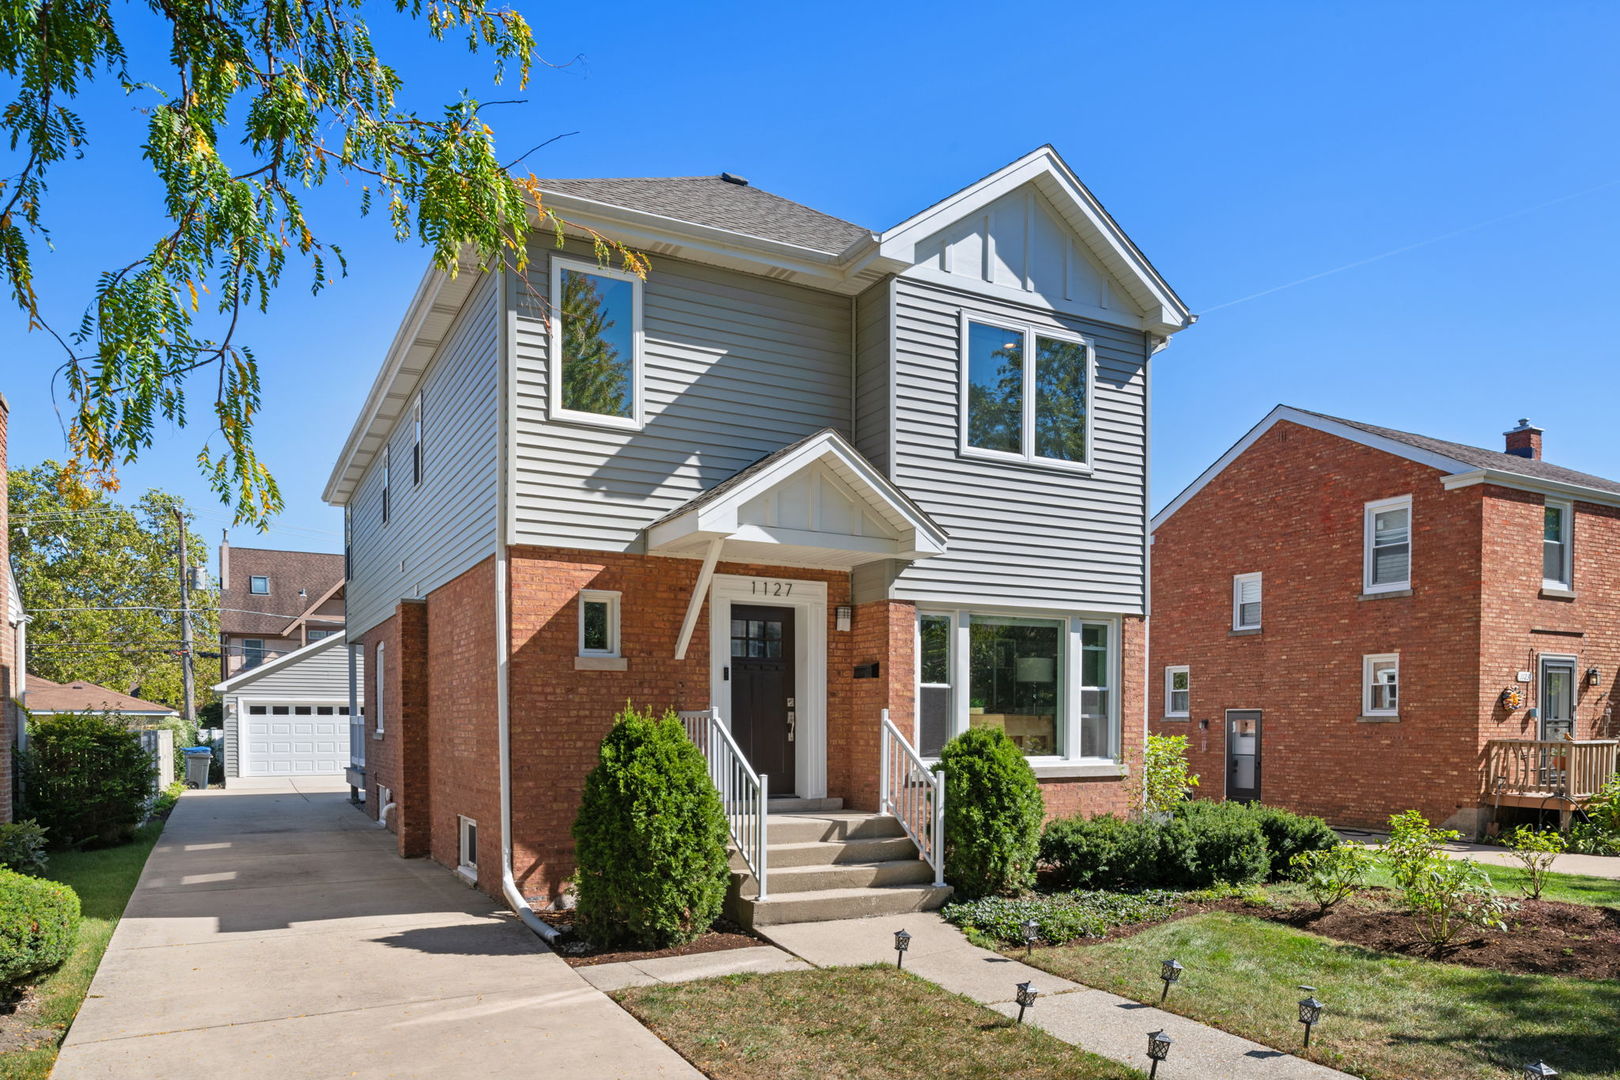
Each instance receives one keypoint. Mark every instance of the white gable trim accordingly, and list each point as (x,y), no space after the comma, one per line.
(252,675)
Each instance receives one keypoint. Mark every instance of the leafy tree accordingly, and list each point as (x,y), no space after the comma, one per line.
(250,107)
(1168,780)
(102,589)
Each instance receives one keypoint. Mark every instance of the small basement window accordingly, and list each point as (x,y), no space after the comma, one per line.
(598,623)
(467,860)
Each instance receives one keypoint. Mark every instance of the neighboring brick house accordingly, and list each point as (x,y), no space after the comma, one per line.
(13,639)
(273,602)
(794,474)
(1340,612)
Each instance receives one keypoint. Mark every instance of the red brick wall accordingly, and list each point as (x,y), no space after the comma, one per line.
(8,659)
(1292,508)
(1092,795)
(885,633)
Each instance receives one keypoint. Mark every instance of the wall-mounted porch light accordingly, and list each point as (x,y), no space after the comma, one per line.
(845,618)
(1591,676)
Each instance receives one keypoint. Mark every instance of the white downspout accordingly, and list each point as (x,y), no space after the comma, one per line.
(503,711)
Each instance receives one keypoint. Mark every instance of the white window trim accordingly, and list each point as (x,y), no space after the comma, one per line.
(1567,585)
(1169,677)
(380,688)
(1367,663)
(258,577)
(635,420)
(466,869)
(612,600)
(1238,581)
(1028,455)
(387,479)
(417,464)
(1369,513)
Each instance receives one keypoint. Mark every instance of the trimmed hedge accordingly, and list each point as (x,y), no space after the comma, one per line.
(650,838)
(993,814)
(86,779)
(1289,834)
(1059,917)
(39,921)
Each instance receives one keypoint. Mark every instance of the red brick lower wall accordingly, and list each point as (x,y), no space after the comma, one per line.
(1090,796)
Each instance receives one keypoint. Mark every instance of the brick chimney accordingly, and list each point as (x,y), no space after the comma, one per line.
(1524,441)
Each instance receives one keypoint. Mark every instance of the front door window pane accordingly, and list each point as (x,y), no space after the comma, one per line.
(1015,680)
(1060,399)
(598,344)
(995,406)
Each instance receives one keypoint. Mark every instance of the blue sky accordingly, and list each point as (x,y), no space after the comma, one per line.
(1244,146)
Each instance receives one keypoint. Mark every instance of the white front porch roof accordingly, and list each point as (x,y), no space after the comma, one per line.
(815,503)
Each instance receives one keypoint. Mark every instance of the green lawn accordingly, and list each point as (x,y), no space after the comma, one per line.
(1571,888)
(870,1023)
(103,879)
(1387,1017)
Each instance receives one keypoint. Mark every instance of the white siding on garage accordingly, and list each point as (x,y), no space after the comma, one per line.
(445,525)
(736,366)
(1019,534)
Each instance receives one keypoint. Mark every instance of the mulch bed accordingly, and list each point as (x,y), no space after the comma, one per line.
(577,952)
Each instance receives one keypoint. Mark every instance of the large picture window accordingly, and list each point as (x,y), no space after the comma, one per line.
(596,344)
(1015,669)
(1026,395)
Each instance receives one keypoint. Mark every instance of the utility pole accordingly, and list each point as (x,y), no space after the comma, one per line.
(189,709)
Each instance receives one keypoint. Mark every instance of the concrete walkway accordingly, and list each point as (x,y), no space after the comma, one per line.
(1103,1023)
(1599,866)
(275,934)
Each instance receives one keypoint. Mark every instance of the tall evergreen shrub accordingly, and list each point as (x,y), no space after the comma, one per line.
(993,813)
(86,779)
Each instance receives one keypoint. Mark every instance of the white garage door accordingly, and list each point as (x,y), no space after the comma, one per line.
(294,738)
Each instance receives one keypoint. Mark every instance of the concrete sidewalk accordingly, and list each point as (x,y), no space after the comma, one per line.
(275,934)
(1103,1023)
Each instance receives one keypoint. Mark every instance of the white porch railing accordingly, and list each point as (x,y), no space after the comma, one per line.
(743,792)
(914,794)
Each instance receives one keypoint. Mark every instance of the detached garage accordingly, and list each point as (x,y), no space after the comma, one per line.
(290,716)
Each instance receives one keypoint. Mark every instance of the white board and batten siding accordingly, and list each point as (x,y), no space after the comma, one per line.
(445,525)
(735,367)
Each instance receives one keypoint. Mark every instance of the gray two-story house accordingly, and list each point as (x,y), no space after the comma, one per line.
(803,475)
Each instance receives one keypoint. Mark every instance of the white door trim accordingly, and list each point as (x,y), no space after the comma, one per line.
(809,598)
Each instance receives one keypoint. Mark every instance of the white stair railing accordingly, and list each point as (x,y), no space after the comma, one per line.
(744,793)
(914,794)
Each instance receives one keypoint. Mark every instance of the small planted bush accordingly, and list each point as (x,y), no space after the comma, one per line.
(1213,842)
(650,838)
(1059,917)
(1449,895)
(22,848)
(1535,849)
(1289,834)
(39,921)
(1168,781)
(1411,846)
(86,779)
(1331,874)
(993,812)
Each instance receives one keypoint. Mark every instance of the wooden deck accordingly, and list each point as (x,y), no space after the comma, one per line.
(1554,774)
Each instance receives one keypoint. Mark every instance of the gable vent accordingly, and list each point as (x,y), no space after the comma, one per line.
(730,178)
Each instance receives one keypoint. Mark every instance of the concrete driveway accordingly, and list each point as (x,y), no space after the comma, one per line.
(274,933)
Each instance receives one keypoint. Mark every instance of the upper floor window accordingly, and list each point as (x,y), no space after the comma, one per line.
(596,344)
(598,623)
(259,585)
(1380,684)
(1245,601)
(1177,691)
(386,463)
(1557,549)
(1387,545)
(1026,395)
(416,440)
(317,635)
(253,652)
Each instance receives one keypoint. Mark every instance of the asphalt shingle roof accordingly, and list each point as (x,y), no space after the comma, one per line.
(244,612)
(1480,458)
(45,696)
(709,200)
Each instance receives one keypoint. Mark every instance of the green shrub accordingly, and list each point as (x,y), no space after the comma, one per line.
(1411,846)
(1587,839)
(1167,780)
(650,838)
(22,848)
(1209,842)
(1289,834)
(39,920)
(1100,852)
(1331,874)
(1059,917)
(993,812)
(86,779)
(1535,849)
(1448,894)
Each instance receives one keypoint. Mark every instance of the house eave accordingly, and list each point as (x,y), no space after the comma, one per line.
(1520,482)
(244,678)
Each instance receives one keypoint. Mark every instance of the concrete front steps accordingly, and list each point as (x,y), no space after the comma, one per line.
(833,864)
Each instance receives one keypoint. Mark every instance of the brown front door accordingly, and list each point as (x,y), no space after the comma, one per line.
(764,704)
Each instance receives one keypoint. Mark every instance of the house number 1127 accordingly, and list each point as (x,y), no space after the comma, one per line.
(771,588)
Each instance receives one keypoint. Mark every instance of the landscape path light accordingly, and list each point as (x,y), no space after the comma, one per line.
(1310,1011)
(902,942)
(1170,972)
(1026,997)
(1158,1050)
(1538,1070)
(1032,930)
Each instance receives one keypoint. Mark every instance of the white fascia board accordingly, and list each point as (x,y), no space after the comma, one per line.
(236,682)
(1520,482)
(1318,423)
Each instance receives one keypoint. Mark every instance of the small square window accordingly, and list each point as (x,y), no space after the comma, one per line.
(598,623)
(1381,679)
(259,585)
(1246,601)
(323,710)
(280,710)
(468,857)
(1177,691)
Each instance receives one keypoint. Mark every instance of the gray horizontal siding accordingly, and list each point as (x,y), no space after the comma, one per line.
(736,366)
(445,525)
(1019,534)
(872,310)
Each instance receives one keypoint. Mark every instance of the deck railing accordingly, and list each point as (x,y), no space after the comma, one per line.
(914,794)
(1550,767)
(744,793)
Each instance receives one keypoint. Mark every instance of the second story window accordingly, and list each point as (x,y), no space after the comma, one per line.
(259,585)
(416,440)
(1026,395)
(1557,532)
(595,344)
(252,652)
(1245,601)
(1387,544)
(1177,691)
(385,470)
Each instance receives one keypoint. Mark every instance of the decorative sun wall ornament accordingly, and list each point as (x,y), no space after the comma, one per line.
(1512,698)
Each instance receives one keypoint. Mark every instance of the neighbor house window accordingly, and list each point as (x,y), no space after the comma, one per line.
(468,857)
(316,635)
(252,652)
(416,440)
(381,684)
(1026,394)
(1387,559)
(259,585)
(1177,691)
(598,623)
(934,699)
(1246,601)
(596,335)
(385,469)
(1557,532)
(1381,680)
